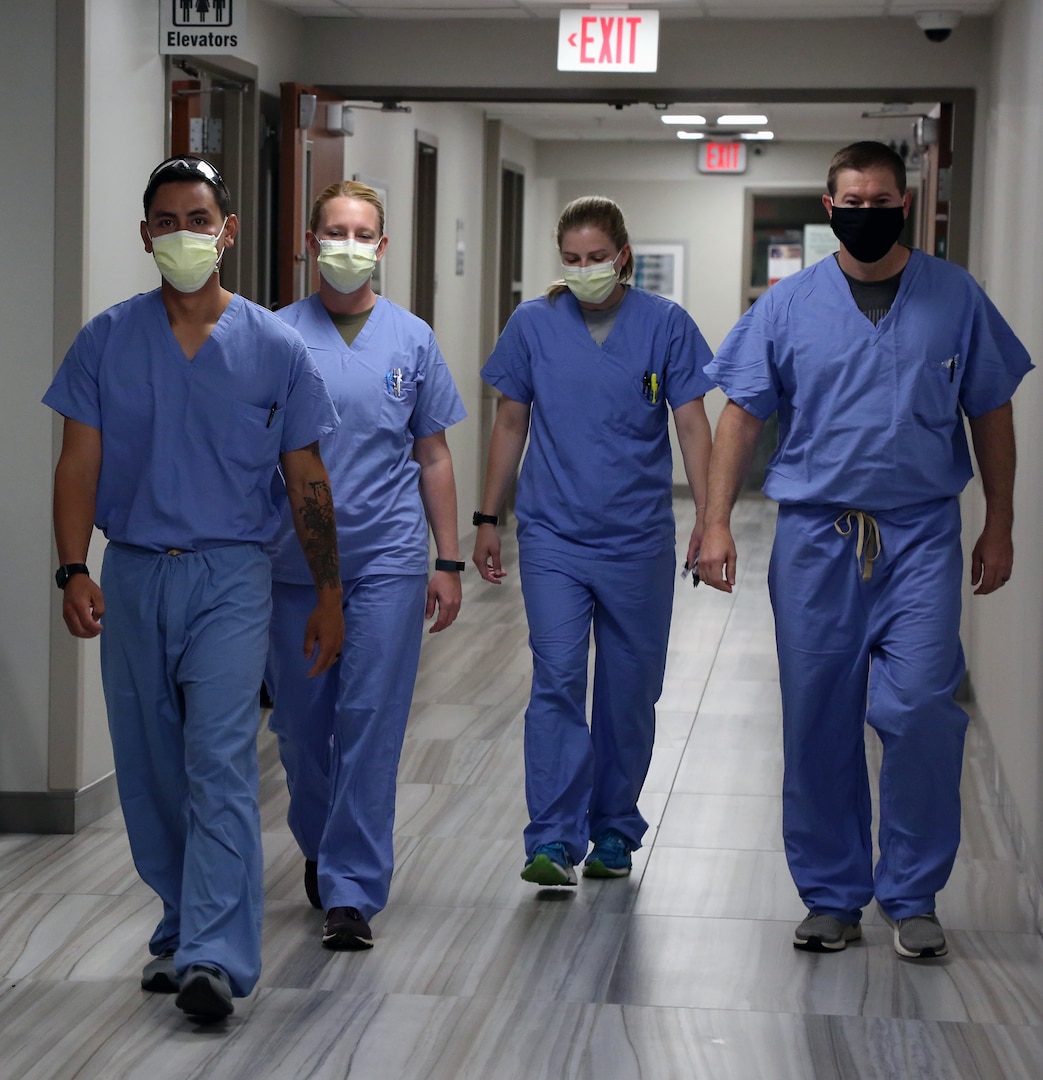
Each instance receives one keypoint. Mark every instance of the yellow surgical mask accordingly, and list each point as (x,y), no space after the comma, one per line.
(186,259)
(347,264)
(591,284)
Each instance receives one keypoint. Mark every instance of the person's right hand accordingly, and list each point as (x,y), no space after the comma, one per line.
(486,554)
(717,558)
(83,606)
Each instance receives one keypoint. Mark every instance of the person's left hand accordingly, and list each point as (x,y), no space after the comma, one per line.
(694,544)
(444,592)
(992,560)
(324,633)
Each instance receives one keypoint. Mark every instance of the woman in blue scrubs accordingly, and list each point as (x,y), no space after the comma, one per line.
(586,373)
(340,735)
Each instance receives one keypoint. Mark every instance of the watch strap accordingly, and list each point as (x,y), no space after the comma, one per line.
(484,519)
(68,570)
(450,564)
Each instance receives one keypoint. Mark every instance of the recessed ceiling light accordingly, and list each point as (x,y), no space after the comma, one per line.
(691,134)
(693,119)
(757,135)
(740,118)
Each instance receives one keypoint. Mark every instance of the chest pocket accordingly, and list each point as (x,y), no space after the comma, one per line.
(396,410)
(937,392)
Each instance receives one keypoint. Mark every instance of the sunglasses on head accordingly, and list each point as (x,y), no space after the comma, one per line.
(188,164)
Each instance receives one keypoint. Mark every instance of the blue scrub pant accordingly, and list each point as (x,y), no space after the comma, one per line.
(579,781)
(182,655)
(886,651)
(341,734)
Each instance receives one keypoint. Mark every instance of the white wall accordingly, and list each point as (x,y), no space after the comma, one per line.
(275,44)
(27,134)
(383,149)
(1006,630)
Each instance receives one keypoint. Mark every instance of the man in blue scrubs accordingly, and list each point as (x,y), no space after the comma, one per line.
(179,404)
(871,360)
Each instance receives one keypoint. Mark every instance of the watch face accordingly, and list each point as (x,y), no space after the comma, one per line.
(66,571)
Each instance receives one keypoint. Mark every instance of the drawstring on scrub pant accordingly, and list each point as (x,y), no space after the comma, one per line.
(869,545)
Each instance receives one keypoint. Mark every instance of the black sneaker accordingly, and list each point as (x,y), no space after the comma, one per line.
(205,993)
(311,883)
(159,976)
(345,928)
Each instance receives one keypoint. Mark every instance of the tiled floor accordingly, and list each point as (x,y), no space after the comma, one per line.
(685,970)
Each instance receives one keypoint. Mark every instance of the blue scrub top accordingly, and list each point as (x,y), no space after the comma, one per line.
(597,476)
(189,447)
(871,416)
(381,524)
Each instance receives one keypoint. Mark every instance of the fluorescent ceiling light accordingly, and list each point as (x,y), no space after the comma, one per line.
(739,118)
(757,135)
(683,119)
(691,135)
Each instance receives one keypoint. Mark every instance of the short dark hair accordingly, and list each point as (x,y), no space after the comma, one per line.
(861,156)
(187,168)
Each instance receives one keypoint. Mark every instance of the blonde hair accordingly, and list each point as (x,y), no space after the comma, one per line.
(593,212)
(346,189)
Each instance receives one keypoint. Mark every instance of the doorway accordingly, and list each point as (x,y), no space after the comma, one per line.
(213,113)
(425,207)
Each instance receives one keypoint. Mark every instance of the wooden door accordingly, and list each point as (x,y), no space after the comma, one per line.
(310,159)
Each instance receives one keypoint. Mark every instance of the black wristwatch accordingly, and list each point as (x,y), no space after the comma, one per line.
(484,519)
(450,564)
(68,570)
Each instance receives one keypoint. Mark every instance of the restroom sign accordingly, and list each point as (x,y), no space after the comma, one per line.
(612,39)
(727,157)
(202,26)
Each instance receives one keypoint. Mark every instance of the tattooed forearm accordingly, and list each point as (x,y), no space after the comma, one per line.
(319,535)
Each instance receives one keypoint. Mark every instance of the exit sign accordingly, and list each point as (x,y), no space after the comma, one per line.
(613,39)
(728,157)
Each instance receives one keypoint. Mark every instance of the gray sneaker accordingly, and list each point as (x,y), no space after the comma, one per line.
(824,933)
(919,937)
(159,976)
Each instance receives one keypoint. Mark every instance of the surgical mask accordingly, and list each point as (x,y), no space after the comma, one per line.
(346,264)
(591,284)
(868,232)
(186,259)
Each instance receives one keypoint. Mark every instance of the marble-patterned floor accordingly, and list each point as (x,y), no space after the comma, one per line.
(684,971)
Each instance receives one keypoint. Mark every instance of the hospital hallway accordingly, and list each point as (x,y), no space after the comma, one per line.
(684,970)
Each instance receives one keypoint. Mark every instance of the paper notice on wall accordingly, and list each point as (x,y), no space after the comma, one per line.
(819,241)
(783,260)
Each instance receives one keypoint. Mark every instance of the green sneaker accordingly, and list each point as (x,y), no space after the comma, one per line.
(551,864)
(610,857)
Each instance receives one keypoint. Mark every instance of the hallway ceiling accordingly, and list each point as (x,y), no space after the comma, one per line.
(680,9)
(832,122)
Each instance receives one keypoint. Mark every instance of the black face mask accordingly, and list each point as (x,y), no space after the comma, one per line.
(868,232)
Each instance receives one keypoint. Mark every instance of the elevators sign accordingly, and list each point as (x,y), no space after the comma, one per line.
(715,157)
(613,39)
(199,27)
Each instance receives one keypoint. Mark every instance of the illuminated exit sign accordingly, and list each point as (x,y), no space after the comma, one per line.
(716,157)
(610,39)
